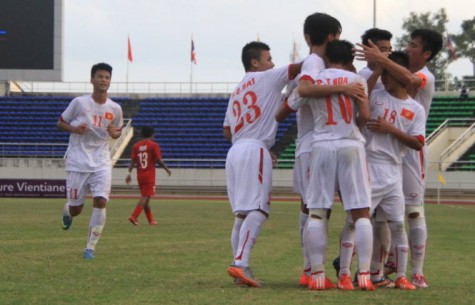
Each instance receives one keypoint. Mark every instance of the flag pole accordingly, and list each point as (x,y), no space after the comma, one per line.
(191,65)
(127,71)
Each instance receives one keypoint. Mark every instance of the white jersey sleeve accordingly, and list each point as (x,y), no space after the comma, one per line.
(426,90)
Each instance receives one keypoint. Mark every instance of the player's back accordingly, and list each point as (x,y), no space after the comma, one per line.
(145,153)
(254,103)
(335,116)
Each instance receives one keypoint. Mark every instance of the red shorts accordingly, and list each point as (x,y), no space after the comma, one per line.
(147,186)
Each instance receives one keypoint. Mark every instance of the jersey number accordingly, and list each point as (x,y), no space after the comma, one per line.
(346,109)
(251,110)
(97,120)
(143,159)
(392,116)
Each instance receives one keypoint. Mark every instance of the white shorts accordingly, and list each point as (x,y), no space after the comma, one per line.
(249,176)
(414,169)
(78,184)
(386,190)
(338,165)
(300,173)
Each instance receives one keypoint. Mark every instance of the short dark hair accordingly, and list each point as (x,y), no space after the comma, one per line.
(375,35)
(319,25)
(101,66)
(431,40)
(147,131)
(340,52)
(251,51)
(400,57)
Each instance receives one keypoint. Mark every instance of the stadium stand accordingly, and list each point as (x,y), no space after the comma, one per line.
(189,130)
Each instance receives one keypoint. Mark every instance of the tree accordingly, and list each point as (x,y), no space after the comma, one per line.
(437,21)
(465,42)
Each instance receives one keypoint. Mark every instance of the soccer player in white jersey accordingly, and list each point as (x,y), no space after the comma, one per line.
(250,124)
(319,28)
(397,123)
(424,44)
(382,39)
(91,120)
(337,163)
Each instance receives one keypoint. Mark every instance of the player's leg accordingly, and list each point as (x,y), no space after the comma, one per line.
(76,194)
(347,239)
(100,184)
(300,183)
(355,190)
(417,240)
(238,220)
(251,196)
(414,169)
(319,197)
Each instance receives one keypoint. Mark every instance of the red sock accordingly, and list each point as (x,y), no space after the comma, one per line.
(138,209)
(148,213)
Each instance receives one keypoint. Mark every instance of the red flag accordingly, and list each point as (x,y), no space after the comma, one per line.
(451,48)
(408,114)
(193,53)
(129,50)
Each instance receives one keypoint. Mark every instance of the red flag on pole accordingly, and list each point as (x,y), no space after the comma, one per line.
(193,53)
(129,50)
(451,48)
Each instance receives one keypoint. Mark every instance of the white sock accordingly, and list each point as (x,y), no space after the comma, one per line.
(250,230)
(66,209)
(347,239)
(316,243)
(302,222)
(401,247)
(364,243)
(96,225)
(235,234)
(417,239)
(381,245)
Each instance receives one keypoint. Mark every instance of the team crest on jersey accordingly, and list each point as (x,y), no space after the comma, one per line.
(109,116)
(408,114)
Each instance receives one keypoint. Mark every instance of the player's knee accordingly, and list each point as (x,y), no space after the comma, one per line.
(240,216)
(318,213)
(414,212)
(75,210)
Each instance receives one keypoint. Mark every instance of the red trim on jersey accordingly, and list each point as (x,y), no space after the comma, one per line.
(423,78)
(307,77)
(290,72)
(421,139)
(261,164)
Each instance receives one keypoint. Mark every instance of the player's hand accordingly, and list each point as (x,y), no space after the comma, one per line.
(80,129)
(169,172)
(354,90)
(378,125)
(369,53)
(113,132)
(128,179)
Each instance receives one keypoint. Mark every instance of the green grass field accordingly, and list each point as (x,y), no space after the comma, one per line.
(184,259)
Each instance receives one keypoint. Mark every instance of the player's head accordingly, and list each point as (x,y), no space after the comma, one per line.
(101,67)
(256,57)
(340,52)
(319,28)
(390,82)
(381,38)
(424,45)
(147,131)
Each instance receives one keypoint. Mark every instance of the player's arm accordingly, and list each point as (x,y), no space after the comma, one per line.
(283,112)
(373,54)
(65,126)
(371,81)
(114,132)
(363,111)
(227,133)
(382,126)
(128,178)
(165,167)
(294,70)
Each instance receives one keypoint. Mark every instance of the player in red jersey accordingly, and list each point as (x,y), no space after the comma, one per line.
(145,153)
